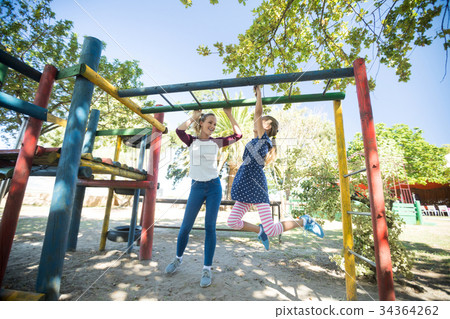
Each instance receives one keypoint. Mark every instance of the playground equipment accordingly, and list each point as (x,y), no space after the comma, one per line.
(66,208)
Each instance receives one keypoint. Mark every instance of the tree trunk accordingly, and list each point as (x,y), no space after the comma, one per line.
(232,170)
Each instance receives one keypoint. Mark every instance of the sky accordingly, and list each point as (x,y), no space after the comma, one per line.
(164,35)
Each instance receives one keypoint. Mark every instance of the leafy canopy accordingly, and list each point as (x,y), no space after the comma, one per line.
(286,36)
(29,32)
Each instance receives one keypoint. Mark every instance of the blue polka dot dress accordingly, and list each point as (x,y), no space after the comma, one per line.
(250,184)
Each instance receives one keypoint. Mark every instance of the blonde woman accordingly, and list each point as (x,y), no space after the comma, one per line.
(205,186)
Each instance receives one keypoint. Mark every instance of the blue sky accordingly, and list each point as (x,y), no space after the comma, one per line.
(163,36)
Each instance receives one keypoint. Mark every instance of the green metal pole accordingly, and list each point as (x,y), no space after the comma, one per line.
(335,96)
(3,73)
(418,213)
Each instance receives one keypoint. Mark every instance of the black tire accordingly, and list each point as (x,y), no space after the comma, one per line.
(120,233)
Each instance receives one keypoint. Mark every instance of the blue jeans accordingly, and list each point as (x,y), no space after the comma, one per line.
(211,191)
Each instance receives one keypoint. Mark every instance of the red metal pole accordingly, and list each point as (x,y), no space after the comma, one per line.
(22,170)
(377,207)
(148,208)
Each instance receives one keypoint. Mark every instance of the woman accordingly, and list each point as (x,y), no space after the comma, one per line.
(205,186)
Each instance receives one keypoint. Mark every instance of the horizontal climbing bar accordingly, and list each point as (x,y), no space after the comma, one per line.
(246,102)
(95,78)
(17,105)
(125,132)
(355,172)
(19,66)
(359,213)
(362,258)
(236,82)
(114,184)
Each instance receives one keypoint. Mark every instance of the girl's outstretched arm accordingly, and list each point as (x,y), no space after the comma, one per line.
(234,124)
(195,117)
(257,124)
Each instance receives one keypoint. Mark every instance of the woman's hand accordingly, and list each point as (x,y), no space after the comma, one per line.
(257,90)
(227,111)
(196,115)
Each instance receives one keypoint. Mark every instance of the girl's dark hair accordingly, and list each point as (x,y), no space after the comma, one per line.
(202,118)
(272,154)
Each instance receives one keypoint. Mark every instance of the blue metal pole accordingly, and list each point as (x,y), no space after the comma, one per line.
(137,193)
(17,105)
(236,82)
(88,147)
(55,240)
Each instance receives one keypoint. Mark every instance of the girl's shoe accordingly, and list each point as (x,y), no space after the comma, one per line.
(173,266)
(310,225)
(263,238)
(205,281)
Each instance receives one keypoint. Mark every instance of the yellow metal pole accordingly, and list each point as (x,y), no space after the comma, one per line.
(100,168)
(350,271)
(95,78)
(109,200)
(57,120)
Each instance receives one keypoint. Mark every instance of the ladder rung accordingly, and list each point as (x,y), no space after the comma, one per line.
(355,172)
(195,98)
(359,213)
(362,258)
(167,100)
(225,96)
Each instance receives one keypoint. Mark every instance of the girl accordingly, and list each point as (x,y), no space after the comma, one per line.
(250,184)
(205,185)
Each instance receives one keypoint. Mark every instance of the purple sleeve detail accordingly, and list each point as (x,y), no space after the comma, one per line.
(227,140)
(184,137)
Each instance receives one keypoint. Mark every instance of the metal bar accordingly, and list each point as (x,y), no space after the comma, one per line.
(359,213)
(17,105)
(362,258)
(377,206)
(22,170)
(326,87)
(168,102)
(224,95)
(114,184)
(124,132)
(195,98)
(69,72)
(109,200)
(137,192)
(246,102)
(148,207)
(55,240)
(355,172)
(347,231)
(236,82)
(3,74)
(95,78)
(198,228)
(80,191)
(19,66)
(5,184)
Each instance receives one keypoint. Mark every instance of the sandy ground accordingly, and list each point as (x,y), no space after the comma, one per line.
(297,268)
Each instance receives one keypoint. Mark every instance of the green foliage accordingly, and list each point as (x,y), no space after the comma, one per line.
(402,260)
(30,33)
(287,35)
(405,154)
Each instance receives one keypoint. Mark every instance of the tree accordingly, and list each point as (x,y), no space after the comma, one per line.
(29,32)
(402,148)
(285,35)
